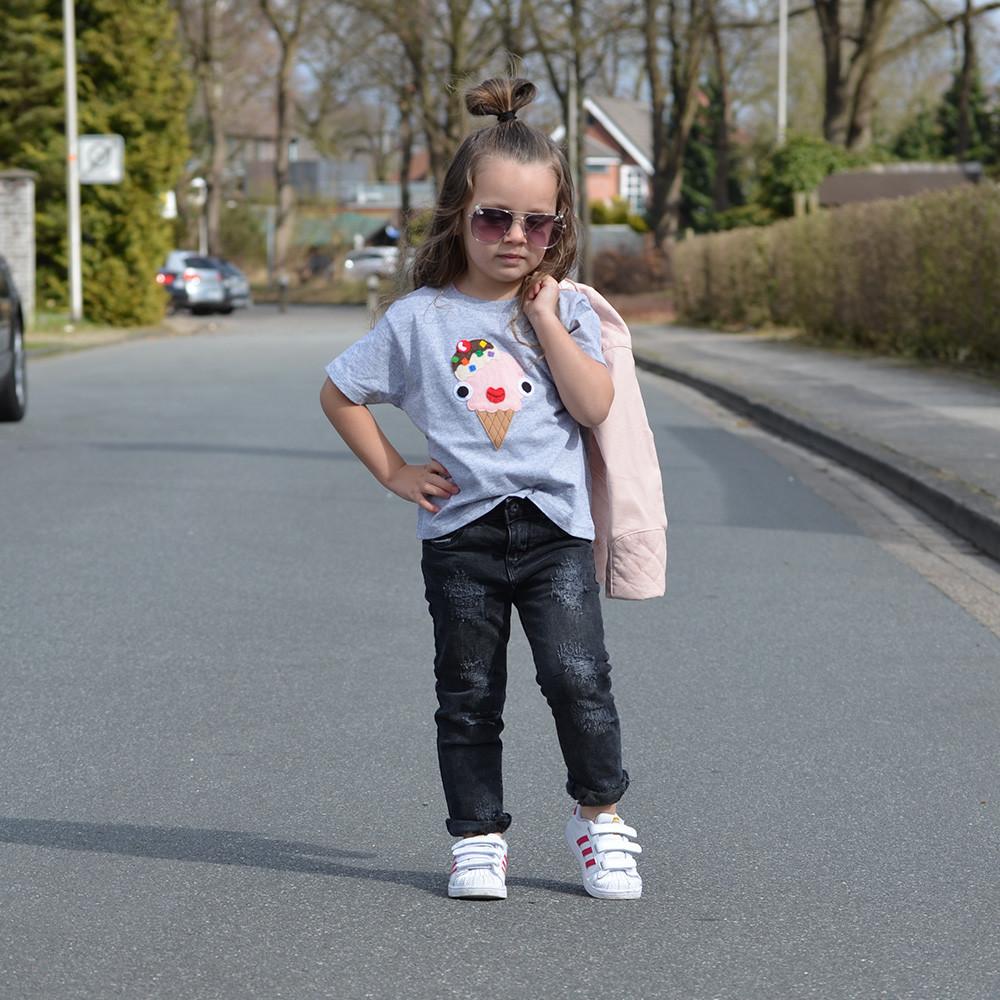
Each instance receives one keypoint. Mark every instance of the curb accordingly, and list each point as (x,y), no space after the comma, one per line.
(112,336)
(956,505)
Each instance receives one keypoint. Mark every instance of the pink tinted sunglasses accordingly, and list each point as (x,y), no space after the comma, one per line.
(491,225)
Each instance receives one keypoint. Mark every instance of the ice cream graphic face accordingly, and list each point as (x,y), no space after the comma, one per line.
(492,384)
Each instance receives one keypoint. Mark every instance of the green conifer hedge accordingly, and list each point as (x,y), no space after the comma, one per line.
(132,81)
(914,276)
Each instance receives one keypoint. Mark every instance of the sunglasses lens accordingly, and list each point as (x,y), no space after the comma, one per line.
(542,231)
(490,225)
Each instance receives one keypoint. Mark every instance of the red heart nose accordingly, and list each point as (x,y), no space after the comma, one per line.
(496,395)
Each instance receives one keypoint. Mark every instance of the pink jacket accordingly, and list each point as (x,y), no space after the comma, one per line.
(626,499)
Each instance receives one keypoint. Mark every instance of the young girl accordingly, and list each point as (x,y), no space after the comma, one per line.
(500,370)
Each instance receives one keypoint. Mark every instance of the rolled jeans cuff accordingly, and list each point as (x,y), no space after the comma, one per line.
(474,827)
(599,797)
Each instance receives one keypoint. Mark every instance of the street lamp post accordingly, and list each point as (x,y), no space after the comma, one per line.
(72,166)
(782,70)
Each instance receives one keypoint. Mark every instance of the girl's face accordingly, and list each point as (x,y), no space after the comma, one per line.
(495,270)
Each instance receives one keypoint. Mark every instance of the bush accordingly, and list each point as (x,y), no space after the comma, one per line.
(131,81)
(798,166)
(616,212)
(915,276)
(628,273)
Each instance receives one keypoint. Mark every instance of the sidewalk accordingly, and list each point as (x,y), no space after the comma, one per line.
(930,435)
(41,343)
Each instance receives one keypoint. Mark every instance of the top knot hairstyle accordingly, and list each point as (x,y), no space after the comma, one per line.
(441,258)
(499,97)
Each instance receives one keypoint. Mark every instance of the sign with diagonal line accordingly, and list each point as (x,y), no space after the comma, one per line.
(102,159)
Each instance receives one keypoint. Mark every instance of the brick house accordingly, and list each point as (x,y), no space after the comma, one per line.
(618,150)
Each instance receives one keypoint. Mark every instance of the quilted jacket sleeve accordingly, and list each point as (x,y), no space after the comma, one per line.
(627,505)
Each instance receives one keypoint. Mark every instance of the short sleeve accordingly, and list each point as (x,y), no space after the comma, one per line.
(373,369)
(583,324)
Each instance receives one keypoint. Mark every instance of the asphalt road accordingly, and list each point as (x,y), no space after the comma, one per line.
(216,735)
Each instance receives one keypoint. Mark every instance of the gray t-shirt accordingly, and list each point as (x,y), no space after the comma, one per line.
(486,402)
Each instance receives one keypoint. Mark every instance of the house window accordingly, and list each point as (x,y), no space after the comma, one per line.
(634,188)
(597,168)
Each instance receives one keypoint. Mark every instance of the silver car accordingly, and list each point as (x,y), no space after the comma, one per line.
(194,282)
(380,261)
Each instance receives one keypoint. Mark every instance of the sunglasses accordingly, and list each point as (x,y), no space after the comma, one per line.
(491,225)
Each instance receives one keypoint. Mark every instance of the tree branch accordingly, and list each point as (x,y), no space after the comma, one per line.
(908,44)
(770,23)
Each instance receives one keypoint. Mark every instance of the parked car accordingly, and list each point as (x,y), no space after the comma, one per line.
(203,284)
(237,285)
(380,261)
(13,370)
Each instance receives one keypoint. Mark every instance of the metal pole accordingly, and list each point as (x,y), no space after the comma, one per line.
(782,70)
(72,166)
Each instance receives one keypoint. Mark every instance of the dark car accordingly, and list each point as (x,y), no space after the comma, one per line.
(13,372)
(203,284)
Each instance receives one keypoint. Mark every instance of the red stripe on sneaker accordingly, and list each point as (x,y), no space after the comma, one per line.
(587,850)
(591,862)
(583,839)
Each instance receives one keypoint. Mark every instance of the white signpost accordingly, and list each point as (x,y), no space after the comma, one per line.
(102,159)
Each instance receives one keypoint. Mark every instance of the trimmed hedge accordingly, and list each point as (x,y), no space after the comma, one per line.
(918,276)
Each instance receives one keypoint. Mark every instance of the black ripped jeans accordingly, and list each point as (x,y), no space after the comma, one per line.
(514,556)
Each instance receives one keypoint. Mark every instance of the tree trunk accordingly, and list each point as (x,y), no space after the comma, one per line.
(285,193)
(850,91)
(289,38)
(966,78)
(657,207)
(863,75)
(216,173)
(405,153)
(835,104)
(720,140)
(671,133)
(204,52)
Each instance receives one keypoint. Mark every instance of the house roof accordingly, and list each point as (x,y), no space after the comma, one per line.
(895,180)
(629,123)
(596,149)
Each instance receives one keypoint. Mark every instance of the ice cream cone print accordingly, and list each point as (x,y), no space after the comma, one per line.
(496,424)
(492,384)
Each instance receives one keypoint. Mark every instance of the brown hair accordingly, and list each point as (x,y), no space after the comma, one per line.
(441,257)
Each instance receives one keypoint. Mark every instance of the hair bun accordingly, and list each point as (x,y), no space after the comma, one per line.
(500,96)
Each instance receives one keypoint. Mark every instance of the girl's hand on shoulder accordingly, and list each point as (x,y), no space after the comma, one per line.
(418,482)
(542,300)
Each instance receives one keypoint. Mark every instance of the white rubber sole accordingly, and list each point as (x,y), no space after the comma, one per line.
(624,894)
(460,892)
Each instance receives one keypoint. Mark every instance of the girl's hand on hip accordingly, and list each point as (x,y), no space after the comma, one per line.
(417,482)
(542,300)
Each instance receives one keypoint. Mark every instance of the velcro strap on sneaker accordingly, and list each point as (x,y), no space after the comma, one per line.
(595,829)
(478,852)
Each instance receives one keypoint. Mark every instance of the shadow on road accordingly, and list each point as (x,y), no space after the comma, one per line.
(224,847)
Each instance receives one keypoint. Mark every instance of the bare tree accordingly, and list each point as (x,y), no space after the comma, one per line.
(288,21)
(687,33)
(966,82)
(855,50)
(570,38)
(720,139)
(215,36)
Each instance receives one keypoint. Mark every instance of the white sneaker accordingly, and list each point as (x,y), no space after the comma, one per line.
(479,870)
(605,851)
